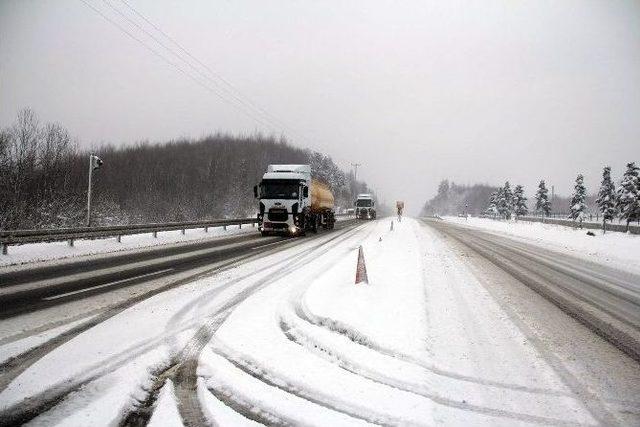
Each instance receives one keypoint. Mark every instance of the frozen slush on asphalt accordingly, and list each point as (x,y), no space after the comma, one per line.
(426,341)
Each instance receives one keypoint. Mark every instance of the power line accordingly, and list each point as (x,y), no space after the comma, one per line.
(171,63)
(170,50)
(231,87)
(355,166)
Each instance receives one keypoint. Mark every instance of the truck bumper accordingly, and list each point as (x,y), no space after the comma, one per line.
(279,227)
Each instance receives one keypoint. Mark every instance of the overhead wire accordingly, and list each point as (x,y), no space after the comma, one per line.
(224,88)
(231,88)
(177,67)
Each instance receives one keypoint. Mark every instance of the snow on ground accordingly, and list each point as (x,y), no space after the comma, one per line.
(33,252)
(295,341)
(166,414)
(620,250)
(18,346)
(376,353)
(124,351)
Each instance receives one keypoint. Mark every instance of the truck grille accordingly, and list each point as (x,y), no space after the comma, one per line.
(277,215)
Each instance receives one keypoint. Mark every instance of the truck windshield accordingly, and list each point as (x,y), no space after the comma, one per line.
(279,189)
(363,203)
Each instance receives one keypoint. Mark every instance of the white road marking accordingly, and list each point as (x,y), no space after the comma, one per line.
(266,244)
(66,294)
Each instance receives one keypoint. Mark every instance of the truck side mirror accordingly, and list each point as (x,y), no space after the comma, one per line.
(305,191)
(255,191)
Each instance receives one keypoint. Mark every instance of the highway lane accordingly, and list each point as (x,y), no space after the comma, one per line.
(31,289)
(604,299)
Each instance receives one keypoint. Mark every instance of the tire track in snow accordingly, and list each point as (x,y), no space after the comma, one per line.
(249,410)
(350,365)
(254,369)
(47,399)
(16,365)
(338,327)
(184,370)
(186,375)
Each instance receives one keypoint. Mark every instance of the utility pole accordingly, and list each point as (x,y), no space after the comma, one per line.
(94,163)
(553,192)
(355,175)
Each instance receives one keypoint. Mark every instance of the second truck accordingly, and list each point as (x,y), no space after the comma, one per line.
(292,202)
(365,207)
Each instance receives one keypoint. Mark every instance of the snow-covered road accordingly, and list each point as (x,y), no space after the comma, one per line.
(288,339)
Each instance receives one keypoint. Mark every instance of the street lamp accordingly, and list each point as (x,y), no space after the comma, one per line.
(94,163)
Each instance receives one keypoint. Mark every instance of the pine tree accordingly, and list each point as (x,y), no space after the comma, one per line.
(629,194)
(606,200)
(493,207)
(519,201)
(508,198)
(505,201)
(542,199)
(578,207)
(501,204)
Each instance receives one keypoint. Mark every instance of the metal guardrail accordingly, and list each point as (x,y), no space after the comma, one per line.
(633,229)
(19,237)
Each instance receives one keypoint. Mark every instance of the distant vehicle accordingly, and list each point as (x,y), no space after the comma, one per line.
(400,209)
(350,211)
(292,202)
(365,207)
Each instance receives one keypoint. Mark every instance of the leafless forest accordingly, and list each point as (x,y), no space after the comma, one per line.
(43,177)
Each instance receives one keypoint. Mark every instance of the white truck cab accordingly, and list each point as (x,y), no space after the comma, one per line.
(292,202)
(365,206)
(283,194)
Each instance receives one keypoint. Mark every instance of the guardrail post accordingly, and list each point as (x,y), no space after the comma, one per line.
(5,249)
(70,242)
(224,227)
(155,234)
(182,231)
(240,225)
(119,238)
(206,229)
(253,224)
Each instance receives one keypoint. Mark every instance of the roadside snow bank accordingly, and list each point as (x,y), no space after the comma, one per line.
(33,252)
(617,249)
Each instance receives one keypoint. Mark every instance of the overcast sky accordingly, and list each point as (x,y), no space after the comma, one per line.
(415,91)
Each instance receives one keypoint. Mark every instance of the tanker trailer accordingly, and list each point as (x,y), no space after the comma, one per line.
(292,202)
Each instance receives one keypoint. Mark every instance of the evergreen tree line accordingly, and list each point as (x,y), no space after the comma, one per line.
(612,203)
(506,202)
(44,176)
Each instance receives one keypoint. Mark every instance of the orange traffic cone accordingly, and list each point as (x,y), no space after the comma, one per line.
(361,269)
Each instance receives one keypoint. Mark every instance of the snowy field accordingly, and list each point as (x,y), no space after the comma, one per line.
(289,339)
(34,252)
(619,250)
